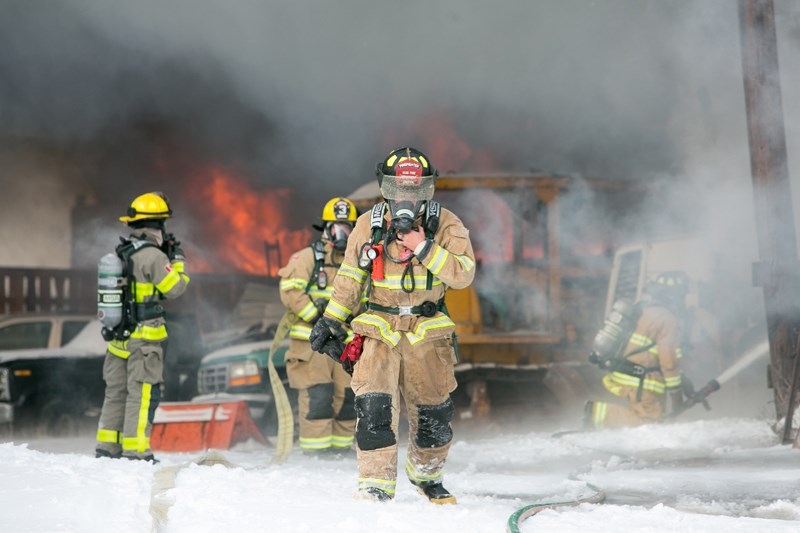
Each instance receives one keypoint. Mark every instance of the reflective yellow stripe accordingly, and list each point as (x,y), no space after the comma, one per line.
(342,442)
(354,273)
(293,283)
(678,353)
(626,380)
(150,333)
(599,411)
(169,281)
(465,261)
(180,267)
(316,292)
(309,312)
(319,443)
(108,435)
(140,442)
(119,348)
(640,340)
(337,310)
(424,327)
(300,331)
(394,282)
(386,485)
(392,337)
(143,291)
(438,259)
(415,474)
(673,382)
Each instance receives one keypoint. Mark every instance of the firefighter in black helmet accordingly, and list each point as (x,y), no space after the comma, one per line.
(649,372)
(134,366)
(406,251)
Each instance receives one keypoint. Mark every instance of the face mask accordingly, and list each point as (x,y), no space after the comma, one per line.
(338,232)
(403,214)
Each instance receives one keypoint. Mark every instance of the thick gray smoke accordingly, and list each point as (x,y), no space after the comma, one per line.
(142,95)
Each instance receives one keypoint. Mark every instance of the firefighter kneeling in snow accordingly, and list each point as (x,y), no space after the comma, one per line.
(327,416)
(648,369)
(153,266)
(408,250)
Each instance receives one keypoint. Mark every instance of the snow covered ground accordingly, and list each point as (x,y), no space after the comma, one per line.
(700,474)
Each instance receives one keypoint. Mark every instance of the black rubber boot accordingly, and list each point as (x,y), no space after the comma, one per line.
(100,453)
(149,458)
(374,494)
(436,493)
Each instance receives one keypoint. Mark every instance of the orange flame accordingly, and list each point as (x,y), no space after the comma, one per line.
(243,223)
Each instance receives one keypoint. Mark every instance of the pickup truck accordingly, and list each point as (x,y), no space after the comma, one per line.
(50,372)
(239,372)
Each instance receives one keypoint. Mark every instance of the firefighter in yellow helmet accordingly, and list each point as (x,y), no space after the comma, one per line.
(407,250)
(327,417)
(647,372)
(155,268)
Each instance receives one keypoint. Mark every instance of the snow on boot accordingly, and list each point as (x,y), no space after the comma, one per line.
(374,494)
(436,493)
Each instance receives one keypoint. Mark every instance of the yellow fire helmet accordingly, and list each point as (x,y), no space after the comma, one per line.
(148,206)
(339,210)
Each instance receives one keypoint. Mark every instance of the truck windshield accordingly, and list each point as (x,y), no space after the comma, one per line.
(27,335)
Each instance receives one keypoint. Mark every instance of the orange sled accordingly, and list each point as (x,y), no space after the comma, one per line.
(191,427)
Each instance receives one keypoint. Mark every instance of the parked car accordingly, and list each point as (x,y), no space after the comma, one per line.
(50,371)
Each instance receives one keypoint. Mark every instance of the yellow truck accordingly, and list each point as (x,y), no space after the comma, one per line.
(544,246)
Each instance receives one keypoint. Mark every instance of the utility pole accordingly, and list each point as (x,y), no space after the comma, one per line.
(778,271)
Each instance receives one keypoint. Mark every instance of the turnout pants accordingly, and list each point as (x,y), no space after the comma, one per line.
(133,390)
(423,375)
(325,399)
(646,410)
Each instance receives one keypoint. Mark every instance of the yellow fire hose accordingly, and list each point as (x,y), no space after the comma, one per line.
(285,438)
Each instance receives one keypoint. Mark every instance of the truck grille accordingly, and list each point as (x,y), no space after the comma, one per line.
(212,379)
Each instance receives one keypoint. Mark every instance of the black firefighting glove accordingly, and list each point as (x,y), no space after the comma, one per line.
(327,337)
(675,397)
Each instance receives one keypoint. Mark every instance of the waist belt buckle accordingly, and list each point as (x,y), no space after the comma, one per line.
(404,310)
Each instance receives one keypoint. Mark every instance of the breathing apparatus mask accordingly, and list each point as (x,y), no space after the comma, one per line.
(337,233)
(406,196)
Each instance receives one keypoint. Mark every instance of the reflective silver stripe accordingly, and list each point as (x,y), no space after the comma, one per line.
(352,272)
(465,261)
(394,282)
(425,326)
(438,259)
(309,312)
(392,337)
(316,292)
(386,485)
(300,332)
(631,381)
(416,474)
(337,310)
(293,283)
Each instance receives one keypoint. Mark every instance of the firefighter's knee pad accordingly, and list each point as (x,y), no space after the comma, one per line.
(374,429)
(433,426)
(348,409)
(320,402)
